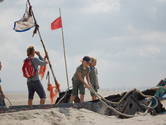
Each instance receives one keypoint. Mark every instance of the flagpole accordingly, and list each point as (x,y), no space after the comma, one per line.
(49,62)
(64,52)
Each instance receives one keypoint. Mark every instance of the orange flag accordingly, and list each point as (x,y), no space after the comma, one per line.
(52,89)
(52,93)
(42,71)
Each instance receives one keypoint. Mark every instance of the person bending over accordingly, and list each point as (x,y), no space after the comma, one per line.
(78,81)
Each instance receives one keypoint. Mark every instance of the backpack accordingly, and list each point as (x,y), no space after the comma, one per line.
(28,68)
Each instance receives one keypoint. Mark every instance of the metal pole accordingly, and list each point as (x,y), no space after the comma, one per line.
(64,52)
(56,83)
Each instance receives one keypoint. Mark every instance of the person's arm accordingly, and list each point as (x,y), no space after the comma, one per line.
(39,61)
(1,92)
(41,58)
(82,80)
(97,81)
(88,79)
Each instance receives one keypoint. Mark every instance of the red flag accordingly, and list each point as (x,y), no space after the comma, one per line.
(56,24)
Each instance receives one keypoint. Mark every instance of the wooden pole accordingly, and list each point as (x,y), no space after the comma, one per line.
(49,62)
(64,52)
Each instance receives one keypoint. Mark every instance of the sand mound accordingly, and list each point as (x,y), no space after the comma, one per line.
(70,116)
(57,116)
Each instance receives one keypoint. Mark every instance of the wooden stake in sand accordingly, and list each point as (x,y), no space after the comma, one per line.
(44,47)
(57,24)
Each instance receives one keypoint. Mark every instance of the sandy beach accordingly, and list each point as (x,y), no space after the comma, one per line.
(70,116)
(116,44)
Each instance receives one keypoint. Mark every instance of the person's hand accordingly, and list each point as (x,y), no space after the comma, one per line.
(87,86)
(46,55)
(37,53)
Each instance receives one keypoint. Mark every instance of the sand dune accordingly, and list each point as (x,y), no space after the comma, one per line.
(72,116)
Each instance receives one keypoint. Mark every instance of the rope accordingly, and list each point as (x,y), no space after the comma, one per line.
(146,96)
(8,100)
(148,107)
(108,101)
(102,99)
(110,107)
(63,96)
(156,102)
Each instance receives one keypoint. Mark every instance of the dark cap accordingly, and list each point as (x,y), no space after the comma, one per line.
(86,58)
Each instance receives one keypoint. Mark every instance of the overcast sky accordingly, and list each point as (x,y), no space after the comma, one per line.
(128,38)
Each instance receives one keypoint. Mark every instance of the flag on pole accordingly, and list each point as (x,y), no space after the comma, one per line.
(53,93)
(42,71)
(56,24)
(52,89)
(26,22)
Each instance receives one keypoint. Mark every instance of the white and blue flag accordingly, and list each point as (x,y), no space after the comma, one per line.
(26,22)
